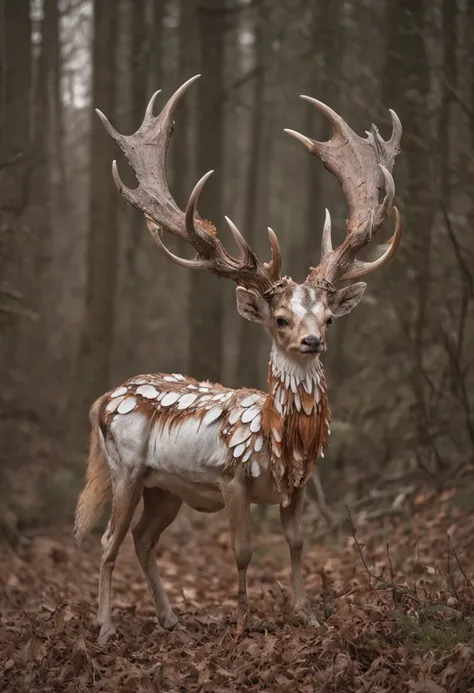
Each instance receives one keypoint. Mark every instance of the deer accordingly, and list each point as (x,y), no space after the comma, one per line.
(169,439)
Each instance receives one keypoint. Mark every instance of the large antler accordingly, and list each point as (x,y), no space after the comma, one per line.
(146,151)
(363,168)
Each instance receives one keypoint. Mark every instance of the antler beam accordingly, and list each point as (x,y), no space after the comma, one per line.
(363,168)
(146,151)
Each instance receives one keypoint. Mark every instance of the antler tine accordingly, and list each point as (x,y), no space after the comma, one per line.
(397,130)
(156,233)
(361,269)
(274,266)
(326,242)
(363,167)
(146,151)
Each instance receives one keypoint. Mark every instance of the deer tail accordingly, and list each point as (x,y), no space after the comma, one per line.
(97,490)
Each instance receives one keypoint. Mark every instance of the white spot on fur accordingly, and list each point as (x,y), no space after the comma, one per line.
(203,389)
(255,469)
(192,387)
(249,400)
(239,436)
(178,376)
(113,404)
(234,415)
(246,457)
(276,434)
(256,423)
(249,414)
(170,398)
(119,391)
(297,401)
(238,451)
(212,415)
(185,401)
(126,405)
(148,391)
(258,445)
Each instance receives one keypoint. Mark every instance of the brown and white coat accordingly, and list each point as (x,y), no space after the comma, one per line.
(170,439)
(192,430)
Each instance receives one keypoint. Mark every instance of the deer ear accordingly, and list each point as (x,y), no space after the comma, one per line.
(344,300)
(251,306)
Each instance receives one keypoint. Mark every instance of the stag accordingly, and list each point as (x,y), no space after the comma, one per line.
(170,439)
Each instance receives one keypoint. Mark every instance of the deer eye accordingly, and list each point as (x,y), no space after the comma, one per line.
(329,321)
(281,322)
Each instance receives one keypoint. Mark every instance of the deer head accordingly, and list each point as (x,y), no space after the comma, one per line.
(296,315)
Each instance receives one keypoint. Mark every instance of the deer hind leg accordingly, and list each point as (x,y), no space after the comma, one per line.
(291,523)
(237,501)
(159,510)
(126,494)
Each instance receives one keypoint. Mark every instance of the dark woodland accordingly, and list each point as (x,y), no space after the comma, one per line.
(86,302)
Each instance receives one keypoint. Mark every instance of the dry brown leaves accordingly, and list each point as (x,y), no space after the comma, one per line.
(408,628)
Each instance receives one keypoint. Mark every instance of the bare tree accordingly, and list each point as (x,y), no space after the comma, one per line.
(205,305)
(92,368)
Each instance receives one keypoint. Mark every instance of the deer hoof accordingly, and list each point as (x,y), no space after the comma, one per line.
(305,613)
(107,631)
(170,621)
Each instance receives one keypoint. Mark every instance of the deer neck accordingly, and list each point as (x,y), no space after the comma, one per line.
(295,420)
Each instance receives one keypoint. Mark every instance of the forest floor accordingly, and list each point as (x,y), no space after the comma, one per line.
(395,600)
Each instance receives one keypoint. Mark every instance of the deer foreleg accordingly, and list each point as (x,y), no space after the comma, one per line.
(237,501)
(291,523)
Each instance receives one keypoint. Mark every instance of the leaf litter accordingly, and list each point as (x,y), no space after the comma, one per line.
(395,600)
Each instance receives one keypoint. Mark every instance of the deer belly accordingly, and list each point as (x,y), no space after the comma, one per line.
(189,461)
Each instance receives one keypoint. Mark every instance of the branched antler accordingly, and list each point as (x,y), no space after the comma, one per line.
(146,151)
(363,168)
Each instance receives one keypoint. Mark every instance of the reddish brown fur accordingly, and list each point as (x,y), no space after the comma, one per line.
(301,433)
(97,490)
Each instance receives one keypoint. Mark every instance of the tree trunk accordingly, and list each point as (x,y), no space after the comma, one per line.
(96,341)
(205,307)
(407,68)
(15,152)
(248,363)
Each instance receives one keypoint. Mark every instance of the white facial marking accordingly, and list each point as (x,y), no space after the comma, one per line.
(296,303)
(148,391)
(318,311)
(119,391)
(126,405)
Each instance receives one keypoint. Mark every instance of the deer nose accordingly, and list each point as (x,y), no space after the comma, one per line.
(312,342)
